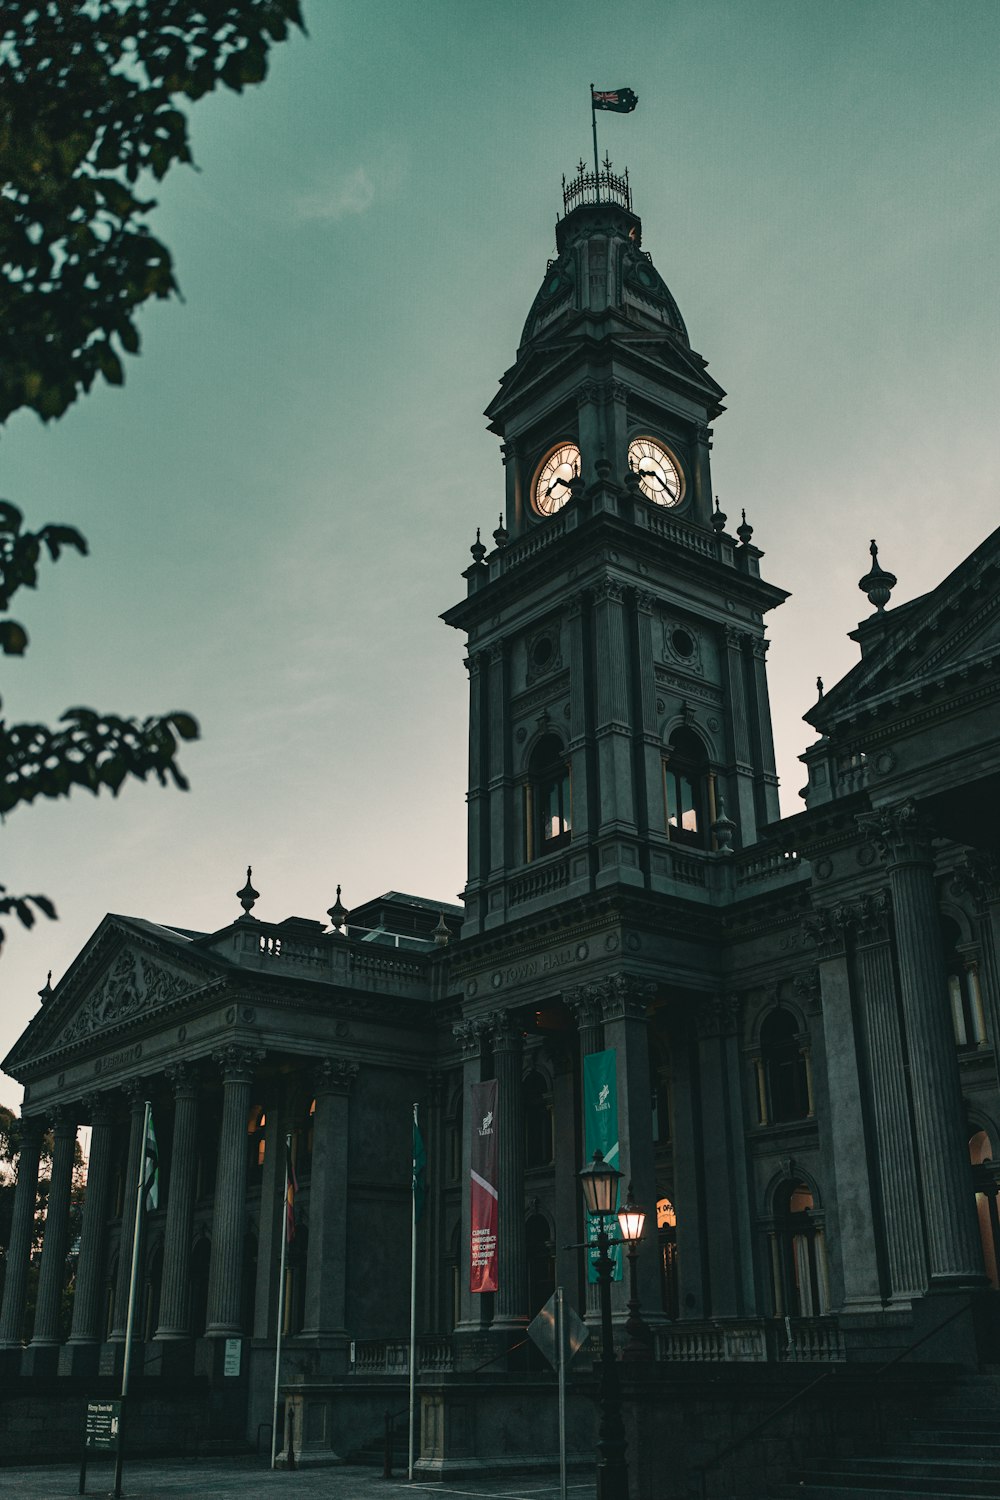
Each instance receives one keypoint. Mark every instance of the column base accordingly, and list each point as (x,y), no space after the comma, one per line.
(40,1359)
(169,1358)
(956,1326)
(79,1359)
(10,1361)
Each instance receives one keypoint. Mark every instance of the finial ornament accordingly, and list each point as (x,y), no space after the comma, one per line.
(745,531)
(819,687)
(877,584)
(247,897)
(477,549)
(501,536)
(723,828)
(337,913)
(441,933)
(719,518)
(46,992)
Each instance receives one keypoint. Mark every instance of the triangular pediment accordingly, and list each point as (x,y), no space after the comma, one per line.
(127,973)
(942,638)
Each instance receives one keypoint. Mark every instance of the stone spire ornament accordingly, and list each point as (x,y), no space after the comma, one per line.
(745,531)
(441,933)
(477,549)
(819,687)
(719,518)
(877,584)
(247,898)
(501,536)
(337,914)
(46,992)
(723,829)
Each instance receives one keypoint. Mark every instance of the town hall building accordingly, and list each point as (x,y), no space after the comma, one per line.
(800,1014)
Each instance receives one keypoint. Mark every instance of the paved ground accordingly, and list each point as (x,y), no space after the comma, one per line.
(216,1479)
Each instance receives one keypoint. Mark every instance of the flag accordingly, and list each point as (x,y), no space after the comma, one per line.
(419,1172)
(622,101)
(151,1167)
(484,1195)
(291,1188)
(600,1132)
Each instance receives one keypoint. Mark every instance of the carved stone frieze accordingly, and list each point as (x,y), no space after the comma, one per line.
(335,1075)
(470,1035)
(133,986)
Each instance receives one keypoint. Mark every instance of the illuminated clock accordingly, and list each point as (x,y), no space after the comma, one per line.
(552,484)
(660,476)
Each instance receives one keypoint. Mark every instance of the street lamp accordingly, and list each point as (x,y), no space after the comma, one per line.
(600,1191)
(631,1222)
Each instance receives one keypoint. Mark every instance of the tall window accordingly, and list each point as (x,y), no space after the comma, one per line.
(685,776)
(784,1084)
(800,1286)
(985,1175)
(548,810)
(968,1018)
(257,1141)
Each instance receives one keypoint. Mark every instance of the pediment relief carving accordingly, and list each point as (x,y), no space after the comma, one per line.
(133,986)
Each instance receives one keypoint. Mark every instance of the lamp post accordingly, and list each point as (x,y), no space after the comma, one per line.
(631,1222)
(600,1190)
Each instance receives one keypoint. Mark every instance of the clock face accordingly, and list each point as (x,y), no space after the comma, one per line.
(552,485)
(660,476)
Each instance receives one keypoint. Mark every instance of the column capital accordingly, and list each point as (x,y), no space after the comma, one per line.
(63,1119)
(625,997)
(719,1016)
(134,1090)
(733,637)
(901,832)
(807,989)
(183,1079)
(237,1063)
(334,1075)
(470,1036)
(505,1034)
(872,916)
(32,1129)
(828,929)
(99,1105)
(978,876)
(584,1003)
(607,590)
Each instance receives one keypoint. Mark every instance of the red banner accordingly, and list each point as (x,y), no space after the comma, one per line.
(483,1122)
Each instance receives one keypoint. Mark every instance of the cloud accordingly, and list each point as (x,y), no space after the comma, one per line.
(341,197)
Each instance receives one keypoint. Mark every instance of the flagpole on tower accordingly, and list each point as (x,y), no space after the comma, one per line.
(593,126)
(414,1186)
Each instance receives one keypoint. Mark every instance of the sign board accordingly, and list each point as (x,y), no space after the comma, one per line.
(231,1364)
(103,1422)
(543,1332)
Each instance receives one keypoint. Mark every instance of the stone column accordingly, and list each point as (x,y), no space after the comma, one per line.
(135,1092)
(902,1212)
(326,1268)
(739,735)
(512,1287)
(625,1000)
(87,1299)
(470,1035)
(653,812)
(52,1275)
(271,1227)
(854,1240)
(585,1005)
(954,1253)
(21,1235)
(612,720)
(497,765)
(478,799)
(727,1207)
(174,1310)
(580,744)
(766,780)
(225,1274)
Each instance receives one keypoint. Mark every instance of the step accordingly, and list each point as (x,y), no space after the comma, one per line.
(830,1490)
(945,1449)
(910,1483)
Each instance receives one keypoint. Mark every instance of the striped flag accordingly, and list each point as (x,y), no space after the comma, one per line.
(151,1168)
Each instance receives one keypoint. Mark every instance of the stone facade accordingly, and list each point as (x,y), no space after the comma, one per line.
(803,1012)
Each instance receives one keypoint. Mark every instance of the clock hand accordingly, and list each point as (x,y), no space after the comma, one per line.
(653,474)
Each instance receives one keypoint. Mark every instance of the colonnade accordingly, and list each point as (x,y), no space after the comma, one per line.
(231,1070)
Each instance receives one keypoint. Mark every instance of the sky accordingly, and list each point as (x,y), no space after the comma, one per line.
(280,501)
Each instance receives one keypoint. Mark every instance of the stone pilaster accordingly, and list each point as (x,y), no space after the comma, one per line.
(478,799)
(612,717)
(512,1286)
(585,1005)
(734,680)
(21,1235)
(625,1002)
(902,1210)
(225,1276)
(766,780)
(137,1112)
(904,841)
(87,1308)
(52,1275)
(652,812)
(174,1308)
(497,762)
(471,1035)
(854,1241)
(580,747)
(727,1208)
(326,1268)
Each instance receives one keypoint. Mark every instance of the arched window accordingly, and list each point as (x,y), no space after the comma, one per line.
(784,1081)
(968,1016)
(537,1121)
(685,778)
(986,1180)
(548,810)
(666,1233)
(799,1282)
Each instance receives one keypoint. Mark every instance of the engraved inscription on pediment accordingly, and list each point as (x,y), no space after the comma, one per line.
(133,986)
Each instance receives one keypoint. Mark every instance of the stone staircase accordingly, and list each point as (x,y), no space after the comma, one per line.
(952,1452)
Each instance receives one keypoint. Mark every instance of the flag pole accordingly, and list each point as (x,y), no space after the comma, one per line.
(593,126)
(413,1305)
(130,1315)
(281,1302)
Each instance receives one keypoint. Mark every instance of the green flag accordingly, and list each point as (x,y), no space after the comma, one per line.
(419,1172)
(600,1096)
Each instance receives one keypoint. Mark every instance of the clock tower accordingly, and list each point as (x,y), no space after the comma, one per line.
(619,722)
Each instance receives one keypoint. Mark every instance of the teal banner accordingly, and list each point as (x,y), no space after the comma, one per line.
(600,1133)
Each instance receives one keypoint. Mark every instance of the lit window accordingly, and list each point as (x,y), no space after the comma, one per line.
(685,775)
(548,815)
